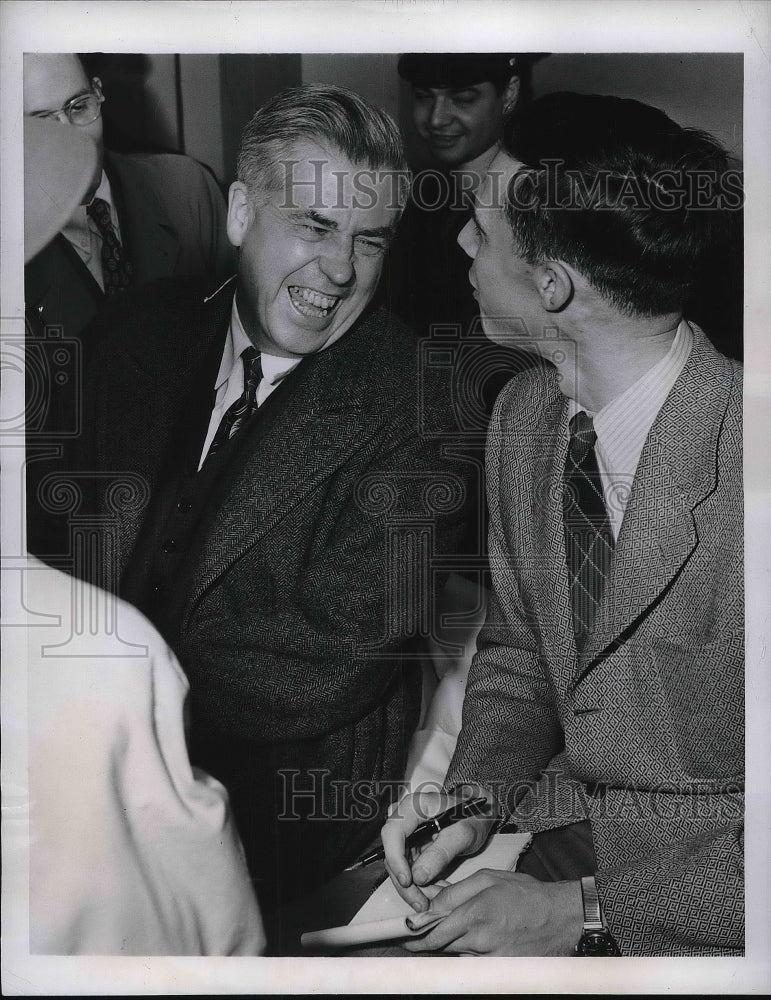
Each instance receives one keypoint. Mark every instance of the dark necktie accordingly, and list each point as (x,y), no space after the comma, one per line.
(116,268)
(236,415)
(588,536)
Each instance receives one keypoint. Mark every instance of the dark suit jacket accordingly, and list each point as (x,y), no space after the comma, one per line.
(312,576)
(172,218)
(650,719)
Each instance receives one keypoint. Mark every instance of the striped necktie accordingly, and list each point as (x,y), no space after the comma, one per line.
(237,414)
(588,535)
(116,268)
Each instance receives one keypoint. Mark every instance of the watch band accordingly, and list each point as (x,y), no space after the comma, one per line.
(592,911)
(596,940)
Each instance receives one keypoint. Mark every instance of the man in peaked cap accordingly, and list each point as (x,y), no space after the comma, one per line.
(458,105)
(458,102)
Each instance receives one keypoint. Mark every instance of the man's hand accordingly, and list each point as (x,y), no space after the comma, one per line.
(504,913)
(411,869)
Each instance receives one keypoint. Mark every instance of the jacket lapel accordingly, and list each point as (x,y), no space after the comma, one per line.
(553,591)
(151,241)
(677,469)
(311,424)
(154,380)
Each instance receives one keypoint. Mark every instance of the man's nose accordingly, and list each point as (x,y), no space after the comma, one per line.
(468,239)
(440,112)
(336,262)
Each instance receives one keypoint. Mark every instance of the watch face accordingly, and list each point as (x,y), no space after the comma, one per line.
(597,943)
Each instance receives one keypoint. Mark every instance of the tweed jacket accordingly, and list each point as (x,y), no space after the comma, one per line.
(309,584)
(645,728)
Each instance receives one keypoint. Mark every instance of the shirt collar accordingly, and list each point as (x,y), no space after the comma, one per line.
(104,191)
(624,423)
(273,368)
(78,221)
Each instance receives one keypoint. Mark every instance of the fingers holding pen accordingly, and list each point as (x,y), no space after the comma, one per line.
(437,855)
(406,817)
(414,865)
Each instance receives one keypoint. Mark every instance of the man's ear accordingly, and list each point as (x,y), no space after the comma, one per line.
(511,94)
(239,213)
(554,284)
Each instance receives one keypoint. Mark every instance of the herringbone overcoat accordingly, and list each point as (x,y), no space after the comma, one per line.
(298,610)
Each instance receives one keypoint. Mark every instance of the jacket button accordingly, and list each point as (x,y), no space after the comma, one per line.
(184,505)
(170,545)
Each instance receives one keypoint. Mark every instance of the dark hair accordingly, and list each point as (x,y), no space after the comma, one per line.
(331,116)
(622,193)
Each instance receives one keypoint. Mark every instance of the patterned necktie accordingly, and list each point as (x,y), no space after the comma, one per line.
(588,536)
(236,415)
(116,268)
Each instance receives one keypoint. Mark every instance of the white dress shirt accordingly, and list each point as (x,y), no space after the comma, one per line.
(82,232)
(230,377)
(623,425)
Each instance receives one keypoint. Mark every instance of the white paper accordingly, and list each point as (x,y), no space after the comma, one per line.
(502,851)
(382,917)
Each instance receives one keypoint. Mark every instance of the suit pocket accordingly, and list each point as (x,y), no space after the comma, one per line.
(704,688)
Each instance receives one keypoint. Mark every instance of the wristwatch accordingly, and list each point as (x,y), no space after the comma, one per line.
(596,939)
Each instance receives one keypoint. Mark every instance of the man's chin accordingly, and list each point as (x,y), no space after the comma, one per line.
(447,159)
(93,188)
(96,180)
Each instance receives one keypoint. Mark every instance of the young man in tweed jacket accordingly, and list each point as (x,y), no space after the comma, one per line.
(614,733)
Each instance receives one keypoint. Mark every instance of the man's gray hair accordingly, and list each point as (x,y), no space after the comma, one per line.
(333,117)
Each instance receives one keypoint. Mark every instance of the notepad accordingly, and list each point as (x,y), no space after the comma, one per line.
(382,917)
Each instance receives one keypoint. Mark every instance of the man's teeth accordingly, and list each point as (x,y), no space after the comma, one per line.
(312,303)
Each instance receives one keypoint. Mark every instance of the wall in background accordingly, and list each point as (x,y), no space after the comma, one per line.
(372,76)
(140,110)
(198,104)
(246,83)
(701,90)
(200,115)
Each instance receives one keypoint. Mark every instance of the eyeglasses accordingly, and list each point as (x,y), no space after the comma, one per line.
(80,110)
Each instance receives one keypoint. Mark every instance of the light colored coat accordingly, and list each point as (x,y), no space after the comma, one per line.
(648,724)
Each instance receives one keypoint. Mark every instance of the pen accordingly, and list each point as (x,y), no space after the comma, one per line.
(423,833)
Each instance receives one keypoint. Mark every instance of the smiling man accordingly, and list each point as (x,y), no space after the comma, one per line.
(458,105)
(459,101)
(605,705)
(288,489)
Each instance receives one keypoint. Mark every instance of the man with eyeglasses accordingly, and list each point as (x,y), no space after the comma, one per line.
(157,215)
(143,217)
